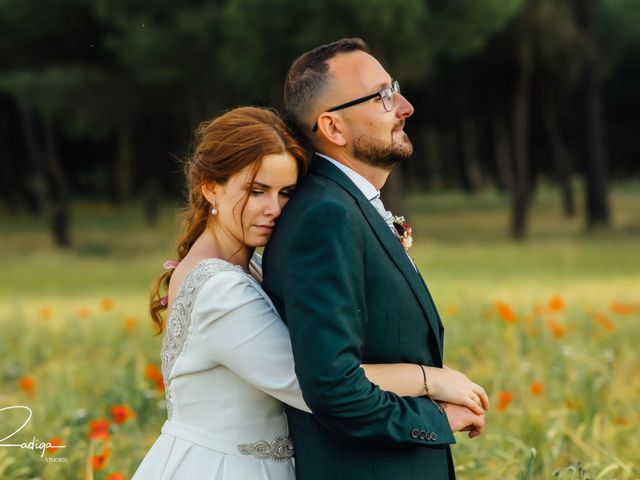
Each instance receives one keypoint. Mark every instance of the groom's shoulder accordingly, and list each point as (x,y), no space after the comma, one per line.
(317,188)
(316,195)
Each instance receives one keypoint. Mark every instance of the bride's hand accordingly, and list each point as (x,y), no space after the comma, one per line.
(448,385)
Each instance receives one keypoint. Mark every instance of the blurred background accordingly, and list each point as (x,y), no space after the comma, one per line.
(523,193)
(98,99)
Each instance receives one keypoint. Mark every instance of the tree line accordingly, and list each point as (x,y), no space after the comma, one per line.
(99,98)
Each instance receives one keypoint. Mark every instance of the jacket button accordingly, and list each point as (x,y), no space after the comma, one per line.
(432,436)
(423,434)
(414,433)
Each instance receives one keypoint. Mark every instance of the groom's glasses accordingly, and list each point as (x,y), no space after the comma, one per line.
(386,95)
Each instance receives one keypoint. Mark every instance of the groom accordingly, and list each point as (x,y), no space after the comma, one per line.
(340,278)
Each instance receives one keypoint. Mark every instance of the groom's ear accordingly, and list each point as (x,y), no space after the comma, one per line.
(331,127)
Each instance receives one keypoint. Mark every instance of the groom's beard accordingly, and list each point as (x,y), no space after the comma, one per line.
(379,154)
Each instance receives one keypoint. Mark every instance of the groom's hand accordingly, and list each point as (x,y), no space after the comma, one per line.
(462,419)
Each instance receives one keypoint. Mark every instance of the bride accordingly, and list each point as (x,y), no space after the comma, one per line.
(226,356)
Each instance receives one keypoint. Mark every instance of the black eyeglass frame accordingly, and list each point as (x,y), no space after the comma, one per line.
(394,88)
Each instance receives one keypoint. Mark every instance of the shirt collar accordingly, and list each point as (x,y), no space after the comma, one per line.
(364,185)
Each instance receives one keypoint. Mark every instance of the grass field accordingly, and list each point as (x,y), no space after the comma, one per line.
(550,327)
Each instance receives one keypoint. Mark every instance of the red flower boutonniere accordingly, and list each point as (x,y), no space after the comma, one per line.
(404,231)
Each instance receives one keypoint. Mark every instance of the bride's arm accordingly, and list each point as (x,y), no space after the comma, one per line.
(445,384)
(241,331)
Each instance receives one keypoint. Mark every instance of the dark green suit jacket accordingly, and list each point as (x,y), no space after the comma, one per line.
(350,295)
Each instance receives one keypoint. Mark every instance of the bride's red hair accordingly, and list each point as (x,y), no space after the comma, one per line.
(224,146)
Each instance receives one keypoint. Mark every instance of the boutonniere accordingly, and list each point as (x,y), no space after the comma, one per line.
(404,232)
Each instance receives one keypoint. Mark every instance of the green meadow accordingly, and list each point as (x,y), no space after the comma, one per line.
(549,326)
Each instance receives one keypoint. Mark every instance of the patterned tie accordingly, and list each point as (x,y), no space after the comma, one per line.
(387,216)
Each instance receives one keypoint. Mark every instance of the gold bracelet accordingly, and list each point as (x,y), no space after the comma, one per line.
(424,378)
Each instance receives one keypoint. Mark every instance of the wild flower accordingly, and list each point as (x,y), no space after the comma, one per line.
(129,323)
(152,372)
(558,330)
(557,304)
(27,385)
(536,388)
(106,304)
(505,312)
(504,400)
(121,413)
(98,462)
(55,442)
(99,429)
(624,308)
(604,321)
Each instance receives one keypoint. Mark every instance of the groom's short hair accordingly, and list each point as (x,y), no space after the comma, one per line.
(307,78)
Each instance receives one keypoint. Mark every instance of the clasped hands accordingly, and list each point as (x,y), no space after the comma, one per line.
(464,402)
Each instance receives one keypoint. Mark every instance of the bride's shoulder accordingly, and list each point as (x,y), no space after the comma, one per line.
(222,287)
(190,278)
(217,270)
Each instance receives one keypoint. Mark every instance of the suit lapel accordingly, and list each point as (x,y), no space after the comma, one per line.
(390,243)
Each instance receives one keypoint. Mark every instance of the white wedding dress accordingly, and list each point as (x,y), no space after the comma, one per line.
(227,366)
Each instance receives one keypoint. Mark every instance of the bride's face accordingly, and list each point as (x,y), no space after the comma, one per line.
(273,185)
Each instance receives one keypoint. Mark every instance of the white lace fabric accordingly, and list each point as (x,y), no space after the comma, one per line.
(179,321)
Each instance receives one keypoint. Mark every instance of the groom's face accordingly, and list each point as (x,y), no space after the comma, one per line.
(375,136)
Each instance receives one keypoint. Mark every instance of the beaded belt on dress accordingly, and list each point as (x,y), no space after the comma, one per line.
(279,449)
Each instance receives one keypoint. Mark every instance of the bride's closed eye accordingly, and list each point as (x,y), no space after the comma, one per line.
(286,193)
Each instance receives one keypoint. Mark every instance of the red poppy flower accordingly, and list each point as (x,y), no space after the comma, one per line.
(504,400)
(99,429)
(99,461)
(121,413)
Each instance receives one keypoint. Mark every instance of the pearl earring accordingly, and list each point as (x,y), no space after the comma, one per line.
(214,210)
